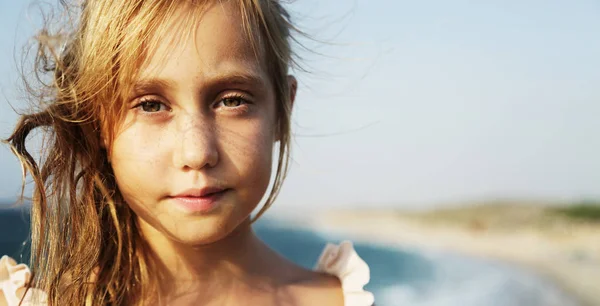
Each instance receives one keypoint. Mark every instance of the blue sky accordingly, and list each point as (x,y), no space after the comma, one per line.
(419,103)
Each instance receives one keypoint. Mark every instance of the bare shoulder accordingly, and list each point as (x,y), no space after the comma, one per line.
(299,286)
(316,288)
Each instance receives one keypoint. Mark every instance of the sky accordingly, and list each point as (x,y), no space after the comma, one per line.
(419,104)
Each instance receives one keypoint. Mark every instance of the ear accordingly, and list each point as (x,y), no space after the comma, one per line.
(104,145)
(293,88)
(103,142)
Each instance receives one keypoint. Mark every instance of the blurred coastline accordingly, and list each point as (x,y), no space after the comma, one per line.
(560,243)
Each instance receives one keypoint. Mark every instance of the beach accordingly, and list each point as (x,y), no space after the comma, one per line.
(565,251)
(470,247)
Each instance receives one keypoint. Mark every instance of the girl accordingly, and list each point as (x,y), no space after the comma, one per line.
(163,117)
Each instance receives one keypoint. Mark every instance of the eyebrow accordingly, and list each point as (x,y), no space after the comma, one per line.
(159,85)
(250,79)
(151,85)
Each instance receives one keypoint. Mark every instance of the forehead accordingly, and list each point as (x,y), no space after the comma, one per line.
(203,41)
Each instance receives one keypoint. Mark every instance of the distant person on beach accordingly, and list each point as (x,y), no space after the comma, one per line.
(162,118)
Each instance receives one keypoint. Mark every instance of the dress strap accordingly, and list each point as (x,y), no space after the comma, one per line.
(343,261)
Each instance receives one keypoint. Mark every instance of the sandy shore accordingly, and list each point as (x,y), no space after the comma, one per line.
(564,251)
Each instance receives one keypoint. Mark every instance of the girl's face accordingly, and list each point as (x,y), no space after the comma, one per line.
(193,156)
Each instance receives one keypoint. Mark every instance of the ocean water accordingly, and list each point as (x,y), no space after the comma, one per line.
(14,232)
(404,276)
(398,276)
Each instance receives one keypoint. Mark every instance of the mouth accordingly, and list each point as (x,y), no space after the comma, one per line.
(199,192)
(199,200)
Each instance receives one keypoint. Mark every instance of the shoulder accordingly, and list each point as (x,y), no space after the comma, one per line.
(342,262)
(316,286)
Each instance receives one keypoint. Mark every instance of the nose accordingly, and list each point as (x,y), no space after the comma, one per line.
(197,146)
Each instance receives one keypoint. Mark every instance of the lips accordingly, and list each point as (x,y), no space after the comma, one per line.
(198,193)
(199,200)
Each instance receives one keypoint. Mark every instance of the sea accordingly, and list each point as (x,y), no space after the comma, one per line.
(399,276)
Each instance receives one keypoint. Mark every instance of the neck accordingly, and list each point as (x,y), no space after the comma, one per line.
(240,261)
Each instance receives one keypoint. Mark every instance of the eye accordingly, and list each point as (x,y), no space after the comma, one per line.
(232,101)
(152,106)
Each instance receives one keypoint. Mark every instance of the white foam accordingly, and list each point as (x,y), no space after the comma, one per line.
(468,282)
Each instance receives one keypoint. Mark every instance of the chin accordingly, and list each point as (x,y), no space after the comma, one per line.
(194,236)
(165,220)
(203,230)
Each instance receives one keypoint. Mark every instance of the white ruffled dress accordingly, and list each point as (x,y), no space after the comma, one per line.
(339,260)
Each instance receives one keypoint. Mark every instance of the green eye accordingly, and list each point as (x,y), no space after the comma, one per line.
(152,106)
(232,102)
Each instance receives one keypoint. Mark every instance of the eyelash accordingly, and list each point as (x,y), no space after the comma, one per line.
(146,101)
(238,97)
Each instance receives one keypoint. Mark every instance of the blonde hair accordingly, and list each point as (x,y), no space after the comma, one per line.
(86,247)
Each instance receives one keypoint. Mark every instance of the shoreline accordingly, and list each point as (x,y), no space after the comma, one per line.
(567,255)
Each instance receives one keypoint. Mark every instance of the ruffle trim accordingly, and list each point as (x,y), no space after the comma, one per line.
(343,261)
(14,279)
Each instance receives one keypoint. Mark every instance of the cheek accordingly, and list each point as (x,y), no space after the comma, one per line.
(248,153)
(250,148)
(136,160)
